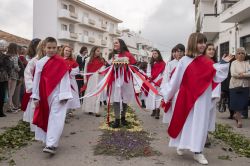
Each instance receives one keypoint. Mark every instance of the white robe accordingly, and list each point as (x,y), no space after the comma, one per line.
(153,101)
(122,91)
(57,109)
(194,133)
(166,78)
(75,102)
(28,80)
(92,104)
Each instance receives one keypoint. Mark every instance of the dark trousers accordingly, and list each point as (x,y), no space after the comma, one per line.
(3,87)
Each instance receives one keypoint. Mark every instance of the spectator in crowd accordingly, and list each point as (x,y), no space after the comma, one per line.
(81,59)
(14,75)
(22,62)
(239,85)
(5,69)
(31,52)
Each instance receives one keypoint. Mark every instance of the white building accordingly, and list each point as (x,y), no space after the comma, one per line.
(225,23)
(75,23)
(137,45)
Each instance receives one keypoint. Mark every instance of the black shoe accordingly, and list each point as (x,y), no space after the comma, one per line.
(100,103)
(157,114)
(116,123)
(207,144)
(123,121)
(143,104)
(2,115)
(105,102)
(153,113)
(51,150)
(90,113)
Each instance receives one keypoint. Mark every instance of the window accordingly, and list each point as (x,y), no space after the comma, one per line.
(72,9)
(85,14)
(71,28)
(224,49)
(64,6)
(245,42)
(64,27)
(100,36)
(86,33)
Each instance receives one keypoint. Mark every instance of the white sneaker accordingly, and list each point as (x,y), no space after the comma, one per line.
(200,158)
(179,152)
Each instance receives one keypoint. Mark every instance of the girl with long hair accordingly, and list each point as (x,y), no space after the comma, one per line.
(194,77)
(94,63)
(122,85)
(66,53)
(155,70)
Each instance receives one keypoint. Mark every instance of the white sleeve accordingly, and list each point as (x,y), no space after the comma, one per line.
(28,76)
(36,82)
(221,72)
(171,88)
(74,71)
(65,88)
(148,70)
(85,69)
(217,91)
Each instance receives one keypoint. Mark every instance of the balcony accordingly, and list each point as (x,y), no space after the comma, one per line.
(92,41)
(210,26)
(104,42)
(92,24)
(68,36)
(91,21)
(239,12)
(116,33)
(104,26)
(67,15)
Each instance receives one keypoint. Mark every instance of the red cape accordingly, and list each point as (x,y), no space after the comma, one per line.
(198,76)
(52,73)
(94,65)
(71,63)
(156,69)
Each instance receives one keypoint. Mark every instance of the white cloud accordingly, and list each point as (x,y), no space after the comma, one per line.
(16,17)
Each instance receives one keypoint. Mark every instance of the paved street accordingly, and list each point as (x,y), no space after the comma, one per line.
(81,134)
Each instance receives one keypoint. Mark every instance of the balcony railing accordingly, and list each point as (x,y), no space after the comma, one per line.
(91,21)
(91,39)
(65,14)
(104,42)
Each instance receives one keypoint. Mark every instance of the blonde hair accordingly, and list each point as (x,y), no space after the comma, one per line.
(40,49)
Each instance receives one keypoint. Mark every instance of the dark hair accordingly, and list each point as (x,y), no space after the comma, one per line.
(12,49)
(159,58)
(31,52)
(180,47)
(172,51)
(214,58)
(123,47)
(83,48)
(111,55)
(193,40)
(50,40)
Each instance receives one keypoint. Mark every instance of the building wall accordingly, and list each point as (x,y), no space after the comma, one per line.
(45,18)
(228,32)
(62,28)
